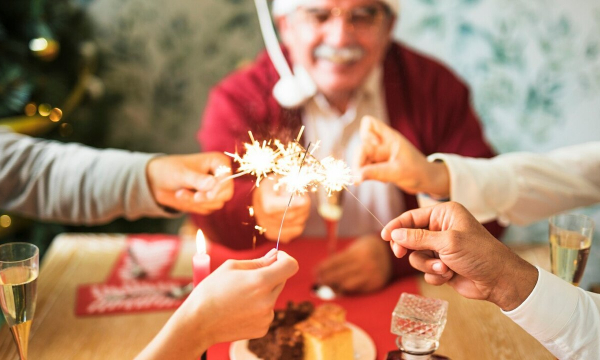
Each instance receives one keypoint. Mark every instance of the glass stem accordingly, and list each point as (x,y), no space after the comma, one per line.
(332,235)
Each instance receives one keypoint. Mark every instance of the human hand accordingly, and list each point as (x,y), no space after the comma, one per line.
(269,205)
(187,183)
(385,155)
(213,313)
(363,267)
(453,247)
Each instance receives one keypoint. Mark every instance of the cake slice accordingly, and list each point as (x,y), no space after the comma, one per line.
(325,334)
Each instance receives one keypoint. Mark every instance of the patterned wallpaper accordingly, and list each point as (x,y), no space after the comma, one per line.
(533,67)
(162,57)
(534,70)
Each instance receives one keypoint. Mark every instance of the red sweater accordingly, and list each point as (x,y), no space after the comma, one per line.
(425,102)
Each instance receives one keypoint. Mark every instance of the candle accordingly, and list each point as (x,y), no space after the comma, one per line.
(201,260)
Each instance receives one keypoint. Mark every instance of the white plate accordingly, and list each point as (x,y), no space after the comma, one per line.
(364,347)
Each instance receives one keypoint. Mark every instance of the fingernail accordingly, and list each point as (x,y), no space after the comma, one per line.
(447,275)
(271,253)
(437,267)
(399,235)
(199,196)
(207,183)
(179,194)
(386,234)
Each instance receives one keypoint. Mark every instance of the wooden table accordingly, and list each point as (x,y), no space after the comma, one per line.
(475,329)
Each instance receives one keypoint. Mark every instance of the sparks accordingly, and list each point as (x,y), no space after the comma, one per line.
(258,160)
(294,171)
(335,174)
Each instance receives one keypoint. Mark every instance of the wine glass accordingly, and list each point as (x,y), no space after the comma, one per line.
(570,242)
(19,264)
(329,207)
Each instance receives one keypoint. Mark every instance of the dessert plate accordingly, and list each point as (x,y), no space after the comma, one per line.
(364,347)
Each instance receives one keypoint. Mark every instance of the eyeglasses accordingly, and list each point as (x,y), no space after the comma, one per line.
(360,18)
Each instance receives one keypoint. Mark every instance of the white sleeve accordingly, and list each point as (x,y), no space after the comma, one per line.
(525,187)
(72,183)
(562,317)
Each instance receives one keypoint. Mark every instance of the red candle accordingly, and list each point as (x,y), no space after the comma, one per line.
(201,260)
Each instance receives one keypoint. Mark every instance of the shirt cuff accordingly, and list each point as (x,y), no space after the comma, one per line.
(548,308)
(143,203)
(477,185)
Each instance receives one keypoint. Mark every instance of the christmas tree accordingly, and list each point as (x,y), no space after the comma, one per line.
(48,86)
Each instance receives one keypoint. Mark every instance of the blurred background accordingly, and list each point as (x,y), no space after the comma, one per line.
(135,74)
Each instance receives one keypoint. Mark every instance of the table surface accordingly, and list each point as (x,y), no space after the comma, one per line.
(475,329)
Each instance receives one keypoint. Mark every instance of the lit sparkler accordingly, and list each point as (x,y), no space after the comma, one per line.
(258,160)
(295,171)
(296,168)
(335,174)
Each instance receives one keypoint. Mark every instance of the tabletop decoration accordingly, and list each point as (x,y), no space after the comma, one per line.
(140,280)
(418,323)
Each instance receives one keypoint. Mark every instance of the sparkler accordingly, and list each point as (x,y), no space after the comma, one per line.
(259,159)
(297,172)
(296,169)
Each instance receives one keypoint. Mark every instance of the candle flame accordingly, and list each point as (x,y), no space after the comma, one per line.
(200,242)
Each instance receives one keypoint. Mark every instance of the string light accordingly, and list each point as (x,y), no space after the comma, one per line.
(5,221)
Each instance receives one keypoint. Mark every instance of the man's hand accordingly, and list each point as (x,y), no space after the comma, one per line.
(453,247)
(387,156)
(213,313)
(269,206)
(363,267)
(187,183)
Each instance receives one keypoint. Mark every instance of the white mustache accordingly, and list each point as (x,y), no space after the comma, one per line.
(341,55)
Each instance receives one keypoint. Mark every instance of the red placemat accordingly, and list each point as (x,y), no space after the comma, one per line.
(152,255)
(371,312)
(139,280)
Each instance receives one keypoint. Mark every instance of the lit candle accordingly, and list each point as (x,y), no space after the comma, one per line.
(201,260)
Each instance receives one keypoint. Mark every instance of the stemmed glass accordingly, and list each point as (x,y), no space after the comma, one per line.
(329,207)
(19,264)
(570,242)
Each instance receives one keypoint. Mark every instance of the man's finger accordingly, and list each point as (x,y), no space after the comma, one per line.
(197,181)
(435,279)
(419,239)
(371,127)
(384,172)
(426,262)
(413,219)
(213,160)
(398,250)
(339,274)
(334,262)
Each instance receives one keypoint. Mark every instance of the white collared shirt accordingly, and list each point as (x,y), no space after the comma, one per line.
(562,317)
(339,137)
(521,188)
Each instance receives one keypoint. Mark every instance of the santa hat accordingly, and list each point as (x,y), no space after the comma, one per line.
(282,7)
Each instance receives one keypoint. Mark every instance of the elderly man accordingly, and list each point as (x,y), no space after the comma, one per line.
(345,48)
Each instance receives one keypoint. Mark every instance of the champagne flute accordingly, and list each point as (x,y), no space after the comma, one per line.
(330,209)
(570,242)
(19,264)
